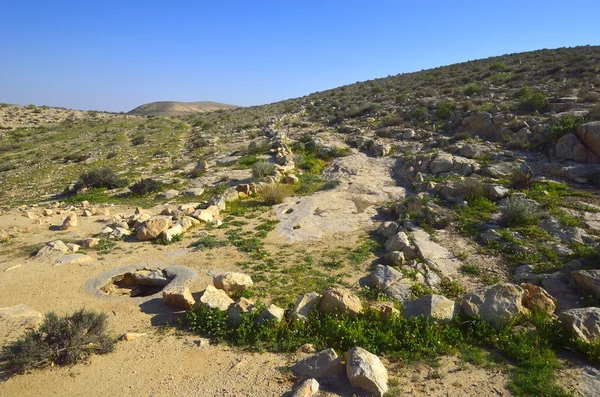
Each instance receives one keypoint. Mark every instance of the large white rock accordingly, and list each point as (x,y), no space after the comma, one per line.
(436,307)
(582,323)
(304,305)
(397,242)
(232,282)
(340,301)
(435,255)
(308,388)
(366,371)
(216,298)
(152,228)
(320,365)
(53,247)
(496,304)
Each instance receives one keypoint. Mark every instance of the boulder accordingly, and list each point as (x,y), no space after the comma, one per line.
(340,301)
(436,307)
(152,228)
(384,276)
(236,311)
(271,313)
(388,229)
(496,304)
(20,315)
(397,242)
(365,370)
(216,298)
(203,215)
(232,282)
(304,305)
(89,242)
(588,280)
(537,299)
(496,192)
(320,365)
(589,133)
(178,296)
(307,388)
(53,247)
(169,194)
(395,258)
(582,323)
(435,255)
(70,222)
(172,232)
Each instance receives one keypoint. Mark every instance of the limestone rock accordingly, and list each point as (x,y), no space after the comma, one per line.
(537,299)
(385,309)
(340,301)
(216,298)
(203,215)
(436,307)
(73,247)
(308,388)
(304,305)
(397,242)
(21,315)
(53,247)
(4,236)
(384,276)
(70,222)
(271,313)
(496,304)
(130,336)
(172,232)
(366,371)
(232,282)
(237,310)
(74,259)
(89,242)
(435,255)
(169,194)
(320,365)
(178,296)
(152,228)
(588,280)
(590,135)
(583,323)
(194,192)
(388,229)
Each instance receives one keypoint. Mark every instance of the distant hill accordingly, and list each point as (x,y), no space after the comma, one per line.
(171,108)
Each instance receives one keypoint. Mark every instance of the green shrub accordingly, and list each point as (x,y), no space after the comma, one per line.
(309,162)
(445,109)
(60,340)
(246,162)
(208,242)
(263,169)
(420,112)
(146,186)
(275,193)
(564,125)
(519,212)
(532,100)
(101,178)
(472,88)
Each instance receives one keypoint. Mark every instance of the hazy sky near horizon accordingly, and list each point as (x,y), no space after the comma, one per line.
(116,55)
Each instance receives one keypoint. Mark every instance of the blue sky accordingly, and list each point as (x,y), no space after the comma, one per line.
(116,55)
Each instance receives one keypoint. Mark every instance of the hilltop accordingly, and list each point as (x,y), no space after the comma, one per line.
(468,194)
(170,108)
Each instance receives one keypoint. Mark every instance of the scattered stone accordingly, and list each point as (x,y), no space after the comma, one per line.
(436,307)
(232,282)
(70,222)
(168,234)
(194,192)
(237,310)
(203,215)
(320,365)
(74,259)
(22,315)
(537,299)
(435,255)
(73,247)
(178,296)
(129,336)
(53,247)
(340,301)
(216,298)
(271,314)
(397,242)
(385,309)
(384,276)
(304,305)
(366,371)
(87,213)
(588,280)
(395,258)
(89,242)
(388,229)
(291,179)
(152,228)
(169,194)
(308,388)
(47,212)
(583,323)
(496,304)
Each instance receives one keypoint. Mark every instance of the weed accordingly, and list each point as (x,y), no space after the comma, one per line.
(146,187)
(275,193)
(263,169)
(207,243)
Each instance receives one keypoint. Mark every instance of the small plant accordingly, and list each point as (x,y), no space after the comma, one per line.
(521,178)
(444,110)
(519,211)
(60,340)
(532,100)
(145,187)
(564,125)
(275,193)
(208,242)
(263,169)
(472,88)
(138,140)
(101,178)
(163,241)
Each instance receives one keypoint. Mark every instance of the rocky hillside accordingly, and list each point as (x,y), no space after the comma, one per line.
(170,108)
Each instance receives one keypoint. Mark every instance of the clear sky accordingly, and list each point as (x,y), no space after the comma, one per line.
(116,55)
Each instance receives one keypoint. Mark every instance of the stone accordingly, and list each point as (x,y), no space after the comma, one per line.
(589,133)
(365,370)
(74,259)
(272,313)
(384,276)
(397,242)
(537,299)
(47,212)
(70,222)
(53,247)
(193,192)
(73,247)
(169,194)
(203,215)
(130,336)
(4,236)
(304,305)
(385,309)
(496,304)
(340,301)
(152,228)
(21,315)
(307,388)
(395,258)
(168,234)
(320,365)
(187,222)
(307,348)
(120,233)
(232,282)
(178,296)
(216,298)
(236,311)
(291,179)
(399,291)
(388,229)
(582,323)
(87,213)
(89,242)
(588,280)
(490,235)
(496,192)
(435,307)
(435,255)
(442,163)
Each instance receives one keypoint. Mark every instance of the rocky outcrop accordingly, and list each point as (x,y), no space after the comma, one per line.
(582,323)
(589,133)
(588,280)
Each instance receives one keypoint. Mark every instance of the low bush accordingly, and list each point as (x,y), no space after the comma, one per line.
(60,340)
(275,193)
(562,126)
(472,88)
(146,186)
(530,100)
(444,110)
(101,178)
(519,211)
(263,169)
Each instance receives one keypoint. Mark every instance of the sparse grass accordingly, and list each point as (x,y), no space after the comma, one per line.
(207,243)
(275,193)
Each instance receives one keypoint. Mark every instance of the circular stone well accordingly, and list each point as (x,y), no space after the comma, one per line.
(141,282)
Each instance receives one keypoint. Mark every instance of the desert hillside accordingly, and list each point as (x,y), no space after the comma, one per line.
(431,233)
(170,108)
